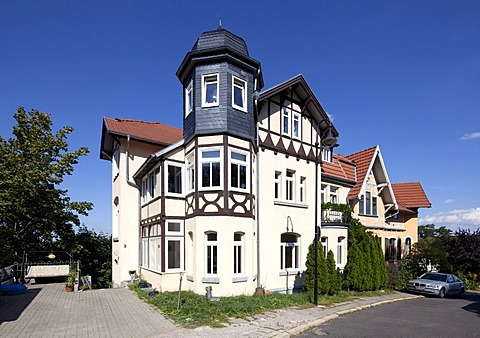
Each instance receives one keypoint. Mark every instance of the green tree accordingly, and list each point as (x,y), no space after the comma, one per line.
(94,251)
(34,211)
(335,279)
(322,271)
(464,251)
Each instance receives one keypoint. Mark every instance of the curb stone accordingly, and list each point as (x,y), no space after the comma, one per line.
(305,327)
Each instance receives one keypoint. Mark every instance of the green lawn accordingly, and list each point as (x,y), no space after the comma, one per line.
(196,310)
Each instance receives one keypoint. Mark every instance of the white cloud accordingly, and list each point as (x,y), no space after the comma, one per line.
(454,219)
(470,136)
(449,201)
(330,116)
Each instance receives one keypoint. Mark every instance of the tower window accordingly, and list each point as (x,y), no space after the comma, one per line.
(210,90)
(189,99)
(239,90)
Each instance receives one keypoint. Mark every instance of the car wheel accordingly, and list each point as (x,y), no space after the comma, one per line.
(461,294)
(441,294)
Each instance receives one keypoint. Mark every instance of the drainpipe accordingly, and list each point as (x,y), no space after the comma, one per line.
(258,206)
(133,184)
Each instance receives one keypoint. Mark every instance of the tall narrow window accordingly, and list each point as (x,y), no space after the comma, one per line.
(189,99)
(239,94)
(210,90)
(153,183)
(302,189)
(399,249)
(361,205)
(211,253)
(324,241)
(374,206)
(408,246)
(333,195)
(289,252)
(296,126)
(277,184)
(190,159)
(368,210)
(238,253)
(174,179)
(286,121)
(289,185)
(323,193)
(211,168)
(238,170)
(174,245)
(340,250)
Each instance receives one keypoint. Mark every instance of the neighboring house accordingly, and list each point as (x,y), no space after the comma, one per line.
(388,210)
(231,201)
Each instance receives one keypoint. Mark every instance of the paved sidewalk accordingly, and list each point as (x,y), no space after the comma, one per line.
(286,322)
(46,310)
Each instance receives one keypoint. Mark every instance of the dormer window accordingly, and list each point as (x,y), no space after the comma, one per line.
(210,90)
(189,99)
(239,94)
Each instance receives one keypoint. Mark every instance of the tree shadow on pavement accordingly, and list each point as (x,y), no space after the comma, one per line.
(12,306)
(474,306)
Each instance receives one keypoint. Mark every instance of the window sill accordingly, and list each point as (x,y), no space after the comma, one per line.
(291,204)
(365,215)
(239,279)
(289,272)
(190,278)
(211,280)
(156,198)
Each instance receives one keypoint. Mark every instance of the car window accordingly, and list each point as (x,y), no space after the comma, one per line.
(435,276)
(450,279)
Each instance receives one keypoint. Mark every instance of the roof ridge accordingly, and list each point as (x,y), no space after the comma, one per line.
(141,121)
(361,151)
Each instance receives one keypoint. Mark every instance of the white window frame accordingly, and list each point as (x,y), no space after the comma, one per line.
(175,236)
(326,155)
(182,173)
(149,189)
(340,250)
(290,185)
(286,118)
(323,193)
(333,194)
(190,172)
(208,79)
(210,160)
(211,244)
(324,241)
(189,102)
(242,85)
(295,253)
(239,163)
(278,186)
(296,119)
(408,246)
(238,255)
(302,196)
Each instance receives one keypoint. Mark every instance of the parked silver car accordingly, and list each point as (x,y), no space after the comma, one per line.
(438,284)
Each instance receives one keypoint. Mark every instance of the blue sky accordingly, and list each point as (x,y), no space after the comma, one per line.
(401,74)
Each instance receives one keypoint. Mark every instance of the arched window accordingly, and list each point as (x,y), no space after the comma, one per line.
(211,253)
(408,246)
(238,253)
(399,249)
(289,251)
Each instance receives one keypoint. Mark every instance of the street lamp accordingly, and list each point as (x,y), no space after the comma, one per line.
(328,141)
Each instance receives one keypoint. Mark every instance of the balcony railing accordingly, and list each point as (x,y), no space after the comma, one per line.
(332,217)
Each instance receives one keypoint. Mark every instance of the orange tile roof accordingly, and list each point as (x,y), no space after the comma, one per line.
(340,167)
(153,132)
(362,159)
(411,195)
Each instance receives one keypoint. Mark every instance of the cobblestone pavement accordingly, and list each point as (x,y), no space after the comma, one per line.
(48,311)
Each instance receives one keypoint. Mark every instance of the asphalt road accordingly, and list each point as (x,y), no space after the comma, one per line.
(424,317)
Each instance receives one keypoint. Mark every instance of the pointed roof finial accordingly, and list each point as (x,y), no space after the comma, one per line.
(220,23)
